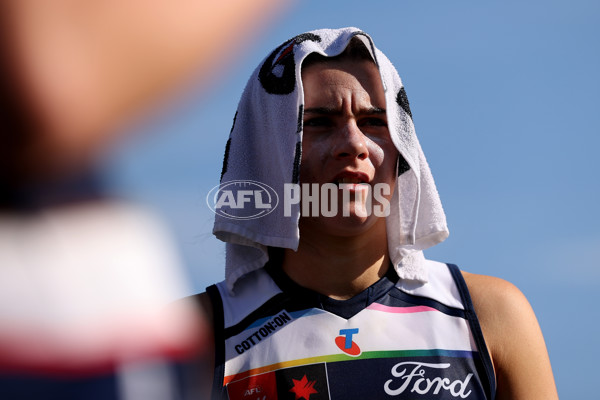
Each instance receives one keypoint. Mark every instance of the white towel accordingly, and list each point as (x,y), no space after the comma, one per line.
(265,146)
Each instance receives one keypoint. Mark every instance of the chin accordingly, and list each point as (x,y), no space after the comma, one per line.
(340,226)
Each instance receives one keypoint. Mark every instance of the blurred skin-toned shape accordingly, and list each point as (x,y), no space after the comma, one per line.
(84,280)
(83,69)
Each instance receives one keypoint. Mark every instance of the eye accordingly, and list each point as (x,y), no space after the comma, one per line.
(318,122)
(373,121)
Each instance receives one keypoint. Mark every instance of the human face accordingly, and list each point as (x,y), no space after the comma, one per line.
(346,138)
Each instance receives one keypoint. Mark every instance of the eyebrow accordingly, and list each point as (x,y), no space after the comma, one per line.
(333,111)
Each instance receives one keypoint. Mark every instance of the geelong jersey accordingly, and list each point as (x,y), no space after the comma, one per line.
(396,340)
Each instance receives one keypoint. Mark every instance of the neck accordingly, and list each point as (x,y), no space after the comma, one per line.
(338,267)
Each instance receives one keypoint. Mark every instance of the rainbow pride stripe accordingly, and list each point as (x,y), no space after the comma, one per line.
(343,357)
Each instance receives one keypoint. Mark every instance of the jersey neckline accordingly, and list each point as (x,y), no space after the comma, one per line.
(343,308)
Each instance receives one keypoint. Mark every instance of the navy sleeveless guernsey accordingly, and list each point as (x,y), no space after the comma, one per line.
(275,340)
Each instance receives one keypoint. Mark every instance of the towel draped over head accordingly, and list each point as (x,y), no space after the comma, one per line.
(265,146)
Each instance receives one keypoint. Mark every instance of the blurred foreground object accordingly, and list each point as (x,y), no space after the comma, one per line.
(74,72)
(85,281)
(87,287)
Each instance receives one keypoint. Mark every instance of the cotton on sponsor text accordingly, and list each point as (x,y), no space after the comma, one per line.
(263,332)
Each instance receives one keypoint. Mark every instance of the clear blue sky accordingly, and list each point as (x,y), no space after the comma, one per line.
(505,99)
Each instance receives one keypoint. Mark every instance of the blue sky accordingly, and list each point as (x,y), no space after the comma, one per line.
(505,99)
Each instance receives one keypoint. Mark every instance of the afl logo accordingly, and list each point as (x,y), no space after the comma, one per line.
(242,199)
(253,391)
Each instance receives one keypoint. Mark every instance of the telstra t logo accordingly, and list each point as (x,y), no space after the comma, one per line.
(345,342)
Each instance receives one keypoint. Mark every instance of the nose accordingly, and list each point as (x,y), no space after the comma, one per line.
(350,143)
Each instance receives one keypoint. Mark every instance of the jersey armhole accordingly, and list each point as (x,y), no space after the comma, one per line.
(475,329)
(217,391)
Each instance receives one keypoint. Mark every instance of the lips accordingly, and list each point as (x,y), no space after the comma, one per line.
(351,177)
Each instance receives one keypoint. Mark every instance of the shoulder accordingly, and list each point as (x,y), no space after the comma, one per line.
(513,338)
(502,309)
(497,301)
(205,305)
